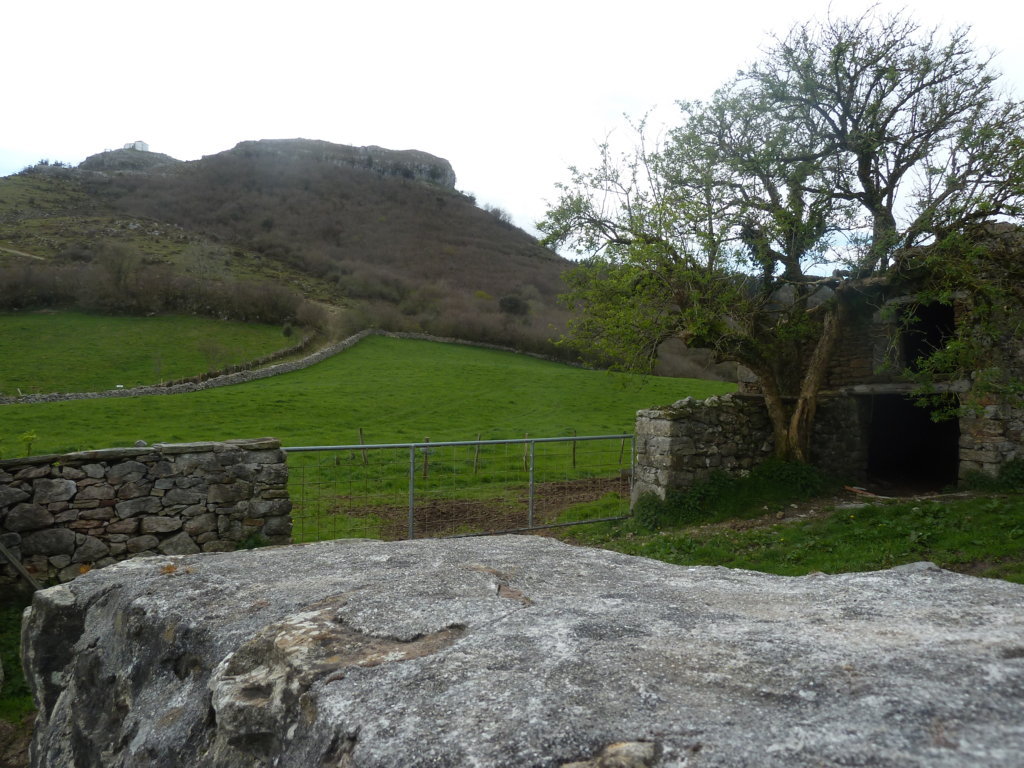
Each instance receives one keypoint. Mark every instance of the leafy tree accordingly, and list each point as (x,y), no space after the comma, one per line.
(851,142)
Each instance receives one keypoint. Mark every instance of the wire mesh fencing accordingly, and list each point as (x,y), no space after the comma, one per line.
(420,490)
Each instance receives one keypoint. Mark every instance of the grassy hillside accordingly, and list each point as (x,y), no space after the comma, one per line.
(74,352)
(396,390)
(386,245)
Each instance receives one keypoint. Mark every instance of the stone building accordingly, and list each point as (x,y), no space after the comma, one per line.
(868,427)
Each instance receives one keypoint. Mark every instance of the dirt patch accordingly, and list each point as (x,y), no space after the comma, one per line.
(506,512)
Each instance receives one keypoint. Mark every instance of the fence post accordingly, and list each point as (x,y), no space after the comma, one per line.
(533,448)
(412,492)
(426,458)
(632,468)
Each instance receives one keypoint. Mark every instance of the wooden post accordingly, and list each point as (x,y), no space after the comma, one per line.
(574,450)
(476,454)
(622,449)
(526,453)
(426,457)
(363,442)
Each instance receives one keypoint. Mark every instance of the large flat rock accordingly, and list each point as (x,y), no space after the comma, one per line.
(520,651)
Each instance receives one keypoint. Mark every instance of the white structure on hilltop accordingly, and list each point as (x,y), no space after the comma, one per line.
(141,146)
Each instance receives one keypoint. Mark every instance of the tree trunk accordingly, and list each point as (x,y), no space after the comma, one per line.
(801,421)
(792,426)
(778,414)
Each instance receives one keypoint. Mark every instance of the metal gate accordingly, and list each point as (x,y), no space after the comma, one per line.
(473,487)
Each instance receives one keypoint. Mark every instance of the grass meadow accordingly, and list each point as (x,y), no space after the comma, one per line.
(395,390)
(978,535)
(75,352)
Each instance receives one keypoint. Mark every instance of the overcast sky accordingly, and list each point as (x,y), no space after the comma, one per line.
(510,93)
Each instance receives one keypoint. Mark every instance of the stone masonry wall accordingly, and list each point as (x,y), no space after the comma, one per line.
(65,514)
(685,442)
(990,439)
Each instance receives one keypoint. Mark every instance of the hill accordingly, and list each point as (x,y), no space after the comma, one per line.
(377,237)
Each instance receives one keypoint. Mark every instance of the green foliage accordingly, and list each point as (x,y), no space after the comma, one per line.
(254,540)
(722,496)
(15,699)
(27,439)
(813,152)
(1010,478)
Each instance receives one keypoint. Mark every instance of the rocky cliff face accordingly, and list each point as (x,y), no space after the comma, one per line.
(127,160)
(519,651)
(409,163)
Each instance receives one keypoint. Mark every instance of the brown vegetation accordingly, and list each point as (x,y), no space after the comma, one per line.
(392,250)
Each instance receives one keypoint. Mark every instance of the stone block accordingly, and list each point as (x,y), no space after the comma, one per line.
(28,517)
(85,525)
(219,545)
(203,523)
(180,544)
(89,550)
(134,489)
(51,541)
(93,492)
(129,526)
(269,507)
(51,490)
(277,526)
(10,495)
(181,496)
(126,472)
(100,513)
(33,473)
(229,493)
(142,544)
(151,524)
(273,474)
(144,506)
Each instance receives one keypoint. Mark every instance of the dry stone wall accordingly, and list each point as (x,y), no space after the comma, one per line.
(65,514)
(684,443)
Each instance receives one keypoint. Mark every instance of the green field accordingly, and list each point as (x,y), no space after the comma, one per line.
(74,352)
(395,390)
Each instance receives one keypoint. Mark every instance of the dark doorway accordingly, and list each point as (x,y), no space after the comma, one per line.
(906,449)
(929,329)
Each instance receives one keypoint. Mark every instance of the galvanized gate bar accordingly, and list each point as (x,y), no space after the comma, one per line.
(514,441)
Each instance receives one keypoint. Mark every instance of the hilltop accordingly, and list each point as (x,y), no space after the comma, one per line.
(278,230)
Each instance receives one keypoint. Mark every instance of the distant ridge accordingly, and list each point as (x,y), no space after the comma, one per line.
(406,163)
